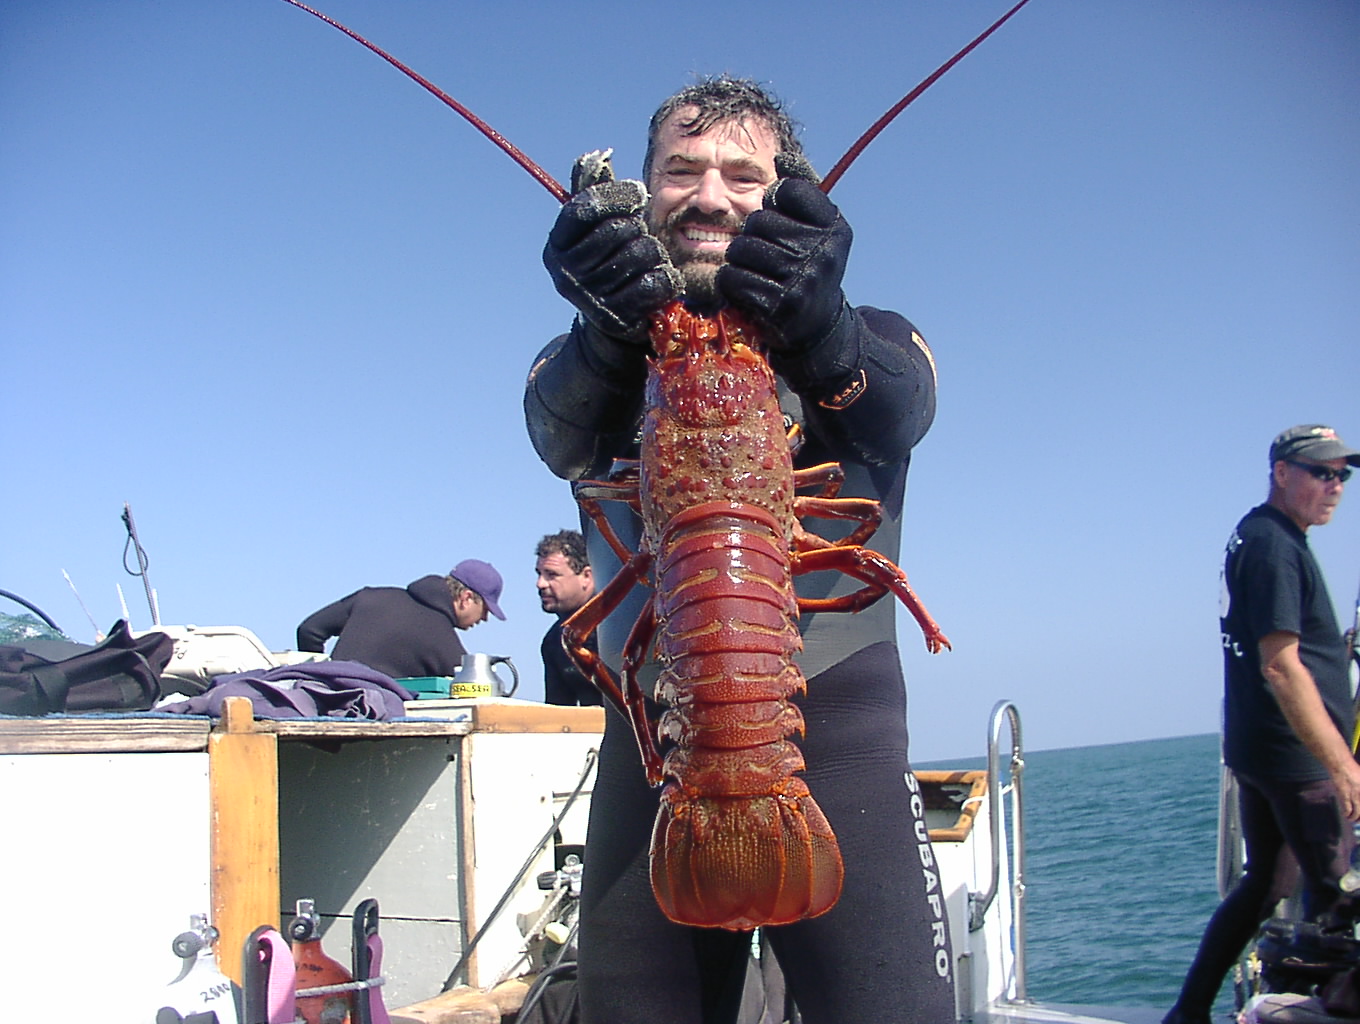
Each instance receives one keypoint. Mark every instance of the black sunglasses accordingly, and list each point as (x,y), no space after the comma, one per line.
(1324,473)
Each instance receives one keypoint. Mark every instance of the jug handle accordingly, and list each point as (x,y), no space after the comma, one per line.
(496,660)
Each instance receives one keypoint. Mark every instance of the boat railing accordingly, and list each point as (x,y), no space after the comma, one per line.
(978,903)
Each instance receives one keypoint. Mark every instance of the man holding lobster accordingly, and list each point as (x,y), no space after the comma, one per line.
(730,216)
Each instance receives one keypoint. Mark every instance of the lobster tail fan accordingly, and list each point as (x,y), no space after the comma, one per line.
(743,862)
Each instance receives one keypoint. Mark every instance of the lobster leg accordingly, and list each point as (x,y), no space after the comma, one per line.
(866,511)
(582,622)
(828,476)
(635,651)
(623,485)
(591,507)
(880,574)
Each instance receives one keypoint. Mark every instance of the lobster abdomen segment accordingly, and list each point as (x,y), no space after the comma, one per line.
(739,841)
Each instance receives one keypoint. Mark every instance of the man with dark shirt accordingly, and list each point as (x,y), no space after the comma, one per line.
(407,632)
(1287,718)
(565,582)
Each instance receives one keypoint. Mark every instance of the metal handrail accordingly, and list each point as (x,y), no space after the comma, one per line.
(1004,710)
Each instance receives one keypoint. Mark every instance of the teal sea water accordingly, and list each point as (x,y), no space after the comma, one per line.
(1120,867)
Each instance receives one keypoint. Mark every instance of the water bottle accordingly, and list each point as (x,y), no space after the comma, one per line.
(1350,881)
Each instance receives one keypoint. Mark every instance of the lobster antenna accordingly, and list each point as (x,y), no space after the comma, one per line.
(834,175)
(515,154)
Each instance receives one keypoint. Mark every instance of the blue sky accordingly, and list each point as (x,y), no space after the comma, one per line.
(264,288)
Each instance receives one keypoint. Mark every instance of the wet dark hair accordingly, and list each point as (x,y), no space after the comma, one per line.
(567,543)
(720,99)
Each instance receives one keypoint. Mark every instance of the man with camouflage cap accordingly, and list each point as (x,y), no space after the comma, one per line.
(1288,718)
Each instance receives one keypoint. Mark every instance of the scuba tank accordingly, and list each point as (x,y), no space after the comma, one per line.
(317,970)
(201,994)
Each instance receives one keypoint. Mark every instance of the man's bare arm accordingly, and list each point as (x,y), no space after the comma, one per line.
(1297,694)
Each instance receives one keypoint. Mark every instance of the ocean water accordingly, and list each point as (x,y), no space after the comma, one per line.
(1121,842)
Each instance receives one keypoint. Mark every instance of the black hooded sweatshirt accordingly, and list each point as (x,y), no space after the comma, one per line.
(404,633)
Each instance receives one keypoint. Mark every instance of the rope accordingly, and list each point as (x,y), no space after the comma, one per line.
(347,986)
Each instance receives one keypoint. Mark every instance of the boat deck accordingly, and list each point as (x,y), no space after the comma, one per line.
(1058,1013)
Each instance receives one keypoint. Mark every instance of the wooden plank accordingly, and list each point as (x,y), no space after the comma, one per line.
(468,1005)
(70,734)
(472,916)
(75,735)
(522,716)
(243,783)
(362,728)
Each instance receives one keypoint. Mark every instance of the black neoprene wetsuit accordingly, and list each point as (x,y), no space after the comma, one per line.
(563,682)
(882,953)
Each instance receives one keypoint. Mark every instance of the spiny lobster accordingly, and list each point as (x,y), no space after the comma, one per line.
(739,841)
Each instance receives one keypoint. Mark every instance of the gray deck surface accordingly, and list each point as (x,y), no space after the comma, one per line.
(1063,1013)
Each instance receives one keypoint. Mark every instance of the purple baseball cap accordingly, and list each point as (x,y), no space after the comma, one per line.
(483,579)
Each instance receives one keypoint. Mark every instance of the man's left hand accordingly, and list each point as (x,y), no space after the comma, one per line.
(786,265)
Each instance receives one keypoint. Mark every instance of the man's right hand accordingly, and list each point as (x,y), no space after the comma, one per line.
(1347,781)
(605,263)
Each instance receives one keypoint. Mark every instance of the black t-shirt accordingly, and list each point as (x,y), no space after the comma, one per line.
(1272,583)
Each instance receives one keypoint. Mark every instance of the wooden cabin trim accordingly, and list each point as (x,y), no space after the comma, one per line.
(169,733)
(243,780)
(976,780)
(519,716)
(75,734)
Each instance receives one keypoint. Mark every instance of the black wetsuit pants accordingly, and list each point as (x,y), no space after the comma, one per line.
(881,954)
(1286,826)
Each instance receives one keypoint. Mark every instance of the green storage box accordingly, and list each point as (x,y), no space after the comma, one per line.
(428,687)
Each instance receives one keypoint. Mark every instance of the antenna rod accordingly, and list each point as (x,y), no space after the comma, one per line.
(834,175)
(98,636)
(540,175)
(141,563)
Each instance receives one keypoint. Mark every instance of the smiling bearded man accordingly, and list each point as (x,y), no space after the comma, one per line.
(731,216)
(703,188)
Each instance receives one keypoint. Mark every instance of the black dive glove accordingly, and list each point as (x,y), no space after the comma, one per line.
(603,261)
(786,265)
